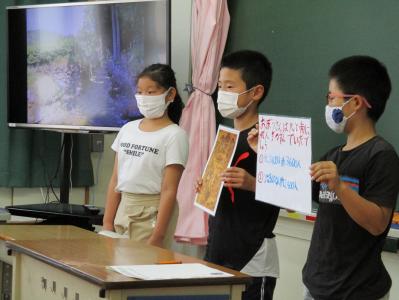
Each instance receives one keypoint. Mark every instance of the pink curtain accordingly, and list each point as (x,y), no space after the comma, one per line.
(210,23)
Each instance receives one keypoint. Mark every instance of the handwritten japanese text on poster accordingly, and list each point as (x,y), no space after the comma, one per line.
(284,157)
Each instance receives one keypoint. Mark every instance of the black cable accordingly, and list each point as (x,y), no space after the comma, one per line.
(49,184)
(57,170)
(46,178)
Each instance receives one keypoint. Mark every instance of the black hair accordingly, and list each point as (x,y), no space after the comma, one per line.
(164,76)
(255,68)
(364,76)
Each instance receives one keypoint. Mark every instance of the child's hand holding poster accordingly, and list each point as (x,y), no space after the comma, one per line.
(284,158)
(219,160)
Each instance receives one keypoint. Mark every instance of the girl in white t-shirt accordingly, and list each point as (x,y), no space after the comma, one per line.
(150,157)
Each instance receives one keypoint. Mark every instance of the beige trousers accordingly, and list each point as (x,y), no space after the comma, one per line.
(136,217)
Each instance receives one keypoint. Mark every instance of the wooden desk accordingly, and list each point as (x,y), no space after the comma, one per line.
(43,232)
(76,269)
(8,266)
(40,232)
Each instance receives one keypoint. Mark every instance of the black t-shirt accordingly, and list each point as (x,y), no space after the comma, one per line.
(238,229)
(344,259)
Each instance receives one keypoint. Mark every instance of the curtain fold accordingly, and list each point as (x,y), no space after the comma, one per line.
(210,23)
(28,158)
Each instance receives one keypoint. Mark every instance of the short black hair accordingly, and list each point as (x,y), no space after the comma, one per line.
(364,76)
(255,68)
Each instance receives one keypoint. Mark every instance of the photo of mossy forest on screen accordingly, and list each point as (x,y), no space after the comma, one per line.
(82,61)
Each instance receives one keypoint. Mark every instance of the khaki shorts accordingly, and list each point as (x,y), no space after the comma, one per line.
(136,217)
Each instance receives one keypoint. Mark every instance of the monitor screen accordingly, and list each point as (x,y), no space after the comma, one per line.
(73,66)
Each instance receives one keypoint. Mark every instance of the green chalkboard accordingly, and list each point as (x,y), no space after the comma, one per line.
(303,38)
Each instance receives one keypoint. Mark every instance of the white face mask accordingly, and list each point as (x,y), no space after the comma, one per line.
(335,118)
(228,104)
(152,107)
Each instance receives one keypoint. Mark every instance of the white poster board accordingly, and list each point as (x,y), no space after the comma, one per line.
(284,158)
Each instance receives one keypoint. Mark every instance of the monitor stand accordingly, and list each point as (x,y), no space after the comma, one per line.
(63,213)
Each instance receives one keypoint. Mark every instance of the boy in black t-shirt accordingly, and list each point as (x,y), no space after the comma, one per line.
(356,186)
(241,233)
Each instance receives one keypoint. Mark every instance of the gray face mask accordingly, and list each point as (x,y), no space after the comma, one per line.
(335,118)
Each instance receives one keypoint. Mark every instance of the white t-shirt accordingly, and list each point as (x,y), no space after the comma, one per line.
(142,156)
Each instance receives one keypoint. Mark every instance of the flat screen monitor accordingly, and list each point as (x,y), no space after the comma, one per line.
(73,66)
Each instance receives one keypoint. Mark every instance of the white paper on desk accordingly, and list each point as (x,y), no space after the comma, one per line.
(113,234)
(169,271)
